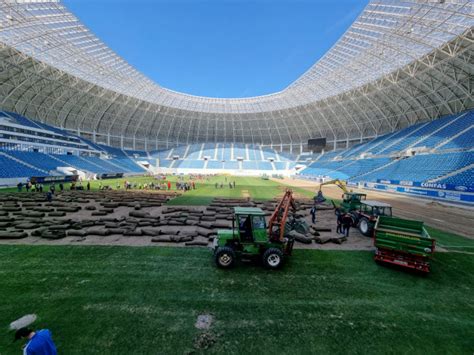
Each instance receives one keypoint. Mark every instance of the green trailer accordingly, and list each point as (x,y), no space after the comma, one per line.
(403,242)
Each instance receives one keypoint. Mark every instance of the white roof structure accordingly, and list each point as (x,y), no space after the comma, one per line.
(400,62)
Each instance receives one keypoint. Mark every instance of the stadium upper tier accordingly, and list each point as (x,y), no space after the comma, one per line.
(400,62)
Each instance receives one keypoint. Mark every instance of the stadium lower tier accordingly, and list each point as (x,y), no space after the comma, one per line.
(455,168)
(21,164)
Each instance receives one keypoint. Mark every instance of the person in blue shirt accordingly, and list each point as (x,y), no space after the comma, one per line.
(39,342)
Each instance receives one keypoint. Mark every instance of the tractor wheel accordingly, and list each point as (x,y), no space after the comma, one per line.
(272,258)
(224,257)
(364,227)
(356,218)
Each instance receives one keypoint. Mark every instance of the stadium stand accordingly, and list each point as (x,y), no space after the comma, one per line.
(464,178)
(38,149)
(445,147)
(421,167)
(39,160)
(10,168)
(442,152)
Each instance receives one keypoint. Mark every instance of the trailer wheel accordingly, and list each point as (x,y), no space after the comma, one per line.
(224,257)
(273,258)
(364,227)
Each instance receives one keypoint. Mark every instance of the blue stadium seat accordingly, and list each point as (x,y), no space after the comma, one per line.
(10,168)
(39,160)
(422,167)
(465,178)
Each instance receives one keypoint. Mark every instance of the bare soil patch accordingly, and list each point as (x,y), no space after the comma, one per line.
(132,218)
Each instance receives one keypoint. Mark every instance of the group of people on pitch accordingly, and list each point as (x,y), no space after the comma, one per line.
(344,220)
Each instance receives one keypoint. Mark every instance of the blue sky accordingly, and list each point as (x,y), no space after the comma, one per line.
(219,48)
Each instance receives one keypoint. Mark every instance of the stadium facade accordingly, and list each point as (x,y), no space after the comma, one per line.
(400,62)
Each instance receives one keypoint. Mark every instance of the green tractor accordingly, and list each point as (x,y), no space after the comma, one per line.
(351,201)
(364,212)
(250,238)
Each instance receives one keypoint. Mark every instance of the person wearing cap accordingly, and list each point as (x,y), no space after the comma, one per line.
(39,342)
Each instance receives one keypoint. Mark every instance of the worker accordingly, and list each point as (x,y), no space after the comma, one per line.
(169,185)
(338,213)
(20,186)
(52,188)
(346,224)
(88,185)
(194,185)
(233,184)
(313,214)
(49,196)
(61,186)
(39,342)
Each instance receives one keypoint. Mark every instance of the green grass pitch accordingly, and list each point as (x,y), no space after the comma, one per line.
(145,300)
(122,300)
(255,187)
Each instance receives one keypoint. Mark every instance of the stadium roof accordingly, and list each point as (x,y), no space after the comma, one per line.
(398,63)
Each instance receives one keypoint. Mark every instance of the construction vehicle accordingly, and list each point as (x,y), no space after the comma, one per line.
(403,242)
(366,215)
(251,238)
(339,183)
(350,200)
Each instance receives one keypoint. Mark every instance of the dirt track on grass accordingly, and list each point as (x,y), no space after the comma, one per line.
(445,217)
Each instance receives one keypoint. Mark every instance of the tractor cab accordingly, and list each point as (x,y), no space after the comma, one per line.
(366,215)
(250,238)
(250,223)
(376,208)
(352,201)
